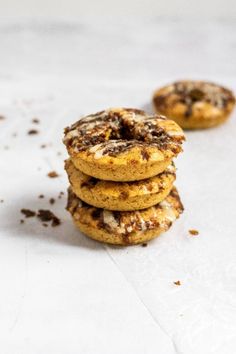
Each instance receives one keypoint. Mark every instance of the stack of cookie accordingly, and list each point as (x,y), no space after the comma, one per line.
(121,175)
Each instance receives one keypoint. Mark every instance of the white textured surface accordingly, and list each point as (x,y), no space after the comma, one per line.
(78,9)
(63,293)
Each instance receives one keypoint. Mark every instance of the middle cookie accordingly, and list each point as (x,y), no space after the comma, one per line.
(120,195)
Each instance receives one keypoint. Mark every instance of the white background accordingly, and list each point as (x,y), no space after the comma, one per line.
(61,293)
(78,8)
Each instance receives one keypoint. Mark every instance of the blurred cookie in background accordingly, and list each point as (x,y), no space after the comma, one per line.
(194,104)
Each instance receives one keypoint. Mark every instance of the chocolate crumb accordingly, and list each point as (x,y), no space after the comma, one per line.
(41,196)
(56,222)
(35,120)
(45,225)
(60,195)
(43,146)
(47,215)
(51,200)
(53,174)
(144,244)
(32,132)
(177,282)
(1,201)
(28,213)
(193,232)
(22,221)
(2,117)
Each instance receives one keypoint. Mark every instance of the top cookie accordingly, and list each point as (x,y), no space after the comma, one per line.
(194,104)
(123,144)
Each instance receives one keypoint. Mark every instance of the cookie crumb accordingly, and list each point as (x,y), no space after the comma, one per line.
(51,200)
(32,132)
(193,232)
(28,213)
(47,215)
(56,221)
(53,174)
(44,224)
(60,195)
(177,282)
(41,196)
(22,221)
(144,244)
(43,146)
(2,201)
(2,117)
(35,121)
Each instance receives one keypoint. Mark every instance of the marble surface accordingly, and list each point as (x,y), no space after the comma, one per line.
(63,293)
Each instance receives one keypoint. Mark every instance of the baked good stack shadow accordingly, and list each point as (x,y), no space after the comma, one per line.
(122,175)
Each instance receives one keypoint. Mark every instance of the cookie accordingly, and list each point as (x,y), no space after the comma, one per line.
(125,227)
(120,195)
(194,104)
(123,144)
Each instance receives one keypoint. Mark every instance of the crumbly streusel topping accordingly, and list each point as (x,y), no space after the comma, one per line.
(115,131)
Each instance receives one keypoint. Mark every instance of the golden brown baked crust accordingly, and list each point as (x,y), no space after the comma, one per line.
(125,227)
(194,104)
(123,144)
(120,195)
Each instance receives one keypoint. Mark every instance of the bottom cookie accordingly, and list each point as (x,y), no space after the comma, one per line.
(125,227)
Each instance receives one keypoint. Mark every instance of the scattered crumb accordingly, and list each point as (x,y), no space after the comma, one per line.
(1,201)
(44,215)
(53,174)
(47,215)
(177,282)
(56,222)
(32,132)
(43,146)
(2,117)
(60,195)
(41,196)
(28,213)
(35,120)
(193,232)
(51,200)
(144,244)
(14,135)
